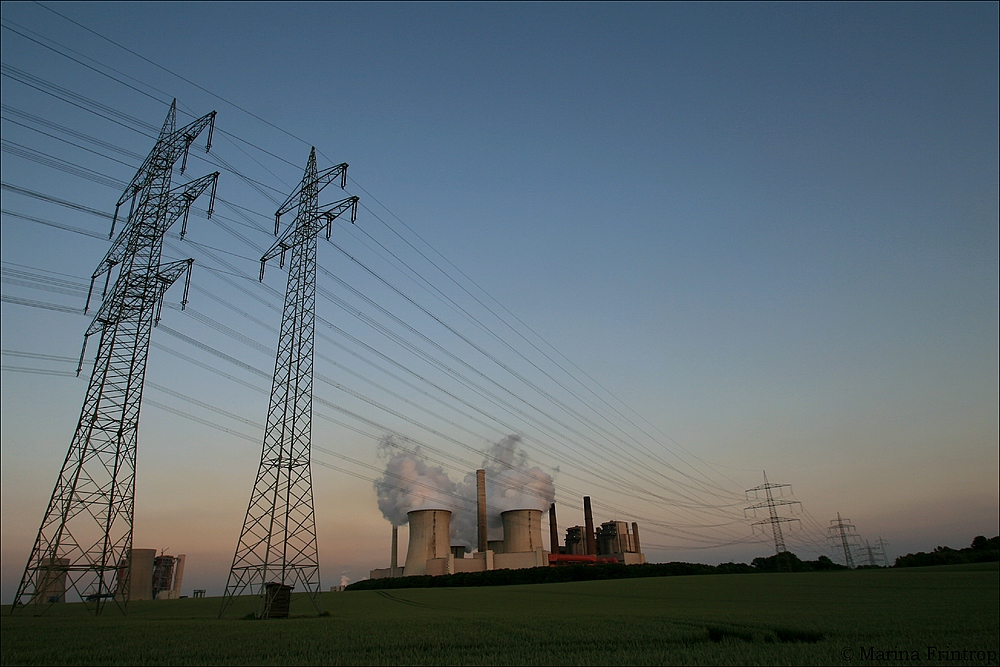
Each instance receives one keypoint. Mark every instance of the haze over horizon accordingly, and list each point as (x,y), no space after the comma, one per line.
(726,239)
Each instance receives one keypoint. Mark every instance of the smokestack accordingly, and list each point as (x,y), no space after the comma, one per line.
(553,530)
(588,519)
(635,537)
(394,561)
(481,509)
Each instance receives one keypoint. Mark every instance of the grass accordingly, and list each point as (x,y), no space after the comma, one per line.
(803,618)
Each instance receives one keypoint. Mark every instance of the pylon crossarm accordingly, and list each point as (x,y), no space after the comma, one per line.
(130,292)
(179,201)
(165,153)
(306,228)
(337,210)
(323,179)
(775,503)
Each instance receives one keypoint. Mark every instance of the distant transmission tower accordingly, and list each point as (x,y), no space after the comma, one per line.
(870,553)
(85,540)
(772,504)
(847,533)
(277,547)
(882,544)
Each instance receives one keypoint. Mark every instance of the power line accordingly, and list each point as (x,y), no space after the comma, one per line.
(483,304)
(395,216)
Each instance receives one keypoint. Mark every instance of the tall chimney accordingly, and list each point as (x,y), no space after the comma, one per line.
(481,508)
(588,519)
(635,537)
(394,561)
(553,530)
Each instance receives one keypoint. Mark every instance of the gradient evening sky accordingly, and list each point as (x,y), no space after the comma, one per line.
(771,230)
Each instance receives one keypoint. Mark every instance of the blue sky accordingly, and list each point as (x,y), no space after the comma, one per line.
(771,230)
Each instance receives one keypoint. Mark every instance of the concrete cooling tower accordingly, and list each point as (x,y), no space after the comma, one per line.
(522,530)
(429,538)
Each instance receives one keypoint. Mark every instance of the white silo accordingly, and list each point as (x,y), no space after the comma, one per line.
(522,530)
(429,538)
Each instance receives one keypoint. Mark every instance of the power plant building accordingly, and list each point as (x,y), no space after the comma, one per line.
(429,551)
(151,577)
(53,580)
(614,540)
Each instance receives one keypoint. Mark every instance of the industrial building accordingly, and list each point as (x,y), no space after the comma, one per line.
(430,552)
(151,577)
(52,582)
(148,577)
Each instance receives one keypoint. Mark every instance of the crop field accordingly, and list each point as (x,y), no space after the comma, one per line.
(932,615)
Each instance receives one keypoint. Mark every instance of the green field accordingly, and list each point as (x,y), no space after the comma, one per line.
(802,618)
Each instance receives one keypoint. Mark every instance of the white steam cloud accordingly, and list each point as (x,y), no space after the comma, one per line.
(410,483)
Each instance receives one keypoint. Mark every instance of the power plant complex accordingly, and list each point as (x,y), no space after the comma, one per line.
(430,551)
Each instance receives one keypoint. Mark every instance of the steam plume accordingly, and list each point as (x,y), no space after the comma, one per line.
(410,483)
(511,484)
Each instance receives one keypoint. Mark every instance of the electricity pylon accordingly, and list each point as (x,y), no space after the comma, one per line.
(85,539)
(871,554)
(772,504)
(882,544)
(277,546)
(847,533)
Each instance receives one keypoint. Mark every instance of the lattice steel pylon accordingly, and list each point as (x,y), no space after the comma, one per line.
(847,533)
(277,546)
(882,544)
(771,504)
(85,538)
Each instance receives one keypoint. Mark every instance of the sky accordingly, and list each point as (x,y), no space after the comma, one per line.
(668,246)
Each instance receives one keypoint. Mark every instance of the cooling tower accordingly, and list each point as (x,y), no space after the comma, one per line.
(522,530)
(429,538)
(138,570)
(53,581)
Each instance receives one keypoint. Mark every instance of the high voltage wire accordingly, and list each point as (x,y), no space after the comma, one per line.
(532,362)
(262,347)
(467,502)
(265,375)
(471,344)
(519,334)
(212,158)
(412,231)
(186,80)
(203,319)
(443,272)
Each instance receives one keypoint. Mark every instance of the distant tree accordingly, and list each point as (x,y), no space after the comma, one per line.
(783,562)
(824,563)
(789,562)
(982,550)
